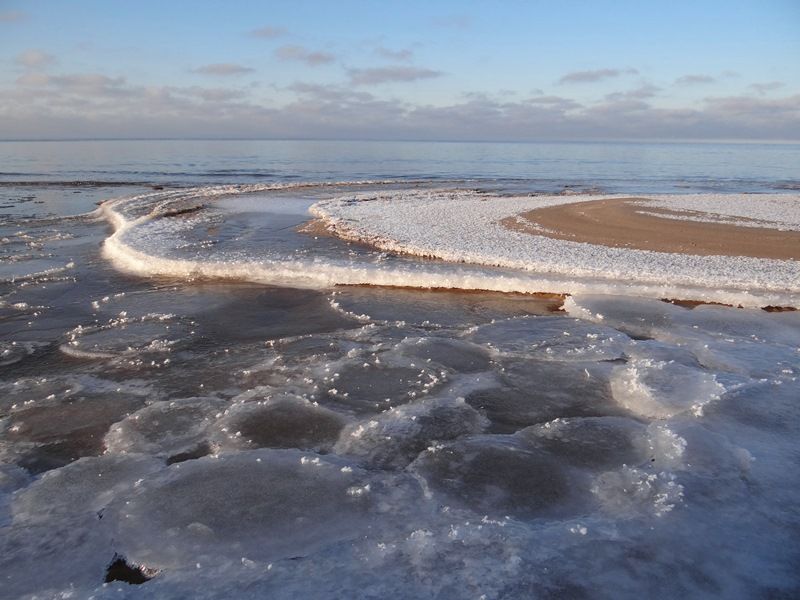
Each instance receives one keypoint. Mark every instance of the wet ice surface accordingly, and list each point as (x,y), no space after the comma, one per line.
(238,440)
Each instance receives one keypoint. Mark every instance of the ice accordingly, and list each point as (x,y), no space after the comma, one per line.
(168,428)
(465,227)
(59,538)
(530,392)
(659,390)
(12,478)
(278,421)
(394,438)
(768,406)
(170,234)
(260,504)
(638,317)
(54,422)
(744,341)
(552,338)
(498,476)
(594,442)
(632,492)
(122,337)
(83,487)
(652,452)
(435,308)
(371,387)
(458,355)
(12,352)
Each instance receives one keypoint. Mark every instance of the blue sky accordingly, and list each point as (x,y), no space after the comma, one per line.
(400,70)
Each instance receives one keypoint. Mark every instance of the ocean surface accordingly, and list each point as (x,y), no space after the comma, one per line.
(199,399)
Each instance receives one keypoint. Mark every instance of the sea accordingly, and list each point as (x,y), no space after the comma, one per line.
(202,397)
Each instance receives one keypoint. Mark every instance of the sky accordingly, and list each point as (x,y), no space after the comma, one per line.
(411,70)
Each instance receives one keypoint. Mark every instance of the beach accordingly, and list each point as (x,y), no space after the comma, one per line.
(622,223)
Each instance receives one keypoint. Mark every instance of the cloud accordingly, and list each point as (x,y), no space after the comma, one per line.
(695,79)
(97,105)
(641,93)
(763,88)
(554,102)
(34,59)
(269,32)
(329,93)
(223,69)
(302,54)
(595,75)
(399,55)
(12,16)
(33,79)
(210,94)
(388,74)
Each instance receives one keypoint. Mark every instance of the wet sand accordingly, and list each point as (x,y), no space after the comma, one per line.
(619,224)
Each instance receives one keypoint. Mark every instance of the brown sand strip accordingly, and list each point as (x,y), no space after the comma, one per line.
(617,223)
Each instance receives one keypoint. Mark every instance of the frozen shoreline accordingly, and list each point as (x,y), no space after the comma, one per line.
(460,228)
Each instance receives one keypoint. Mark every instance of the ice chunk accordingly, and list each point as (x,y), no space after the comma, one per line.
(497,476)
(127,337)
(85,486)
(67,423)
(60,538)
(659,390)
(375,386)
(638,317)
(455,354)
(596,442)
(770,406)
(165,428)
(533,391)
(279,421)
(260,504)
(630,492)
(553,338)
(393,438)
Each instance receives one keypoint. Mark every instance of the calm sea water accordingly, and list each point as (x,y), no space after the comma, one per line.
(612,167)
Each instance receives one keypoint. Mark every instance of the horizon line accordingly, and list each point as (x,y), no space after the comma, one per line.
(413,140)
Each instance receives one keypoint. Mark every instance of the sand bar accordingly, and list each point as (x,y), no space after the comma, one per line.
(621,223)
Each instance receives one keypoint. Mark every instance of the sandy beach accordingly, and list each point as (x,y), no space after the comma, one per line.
(623,223)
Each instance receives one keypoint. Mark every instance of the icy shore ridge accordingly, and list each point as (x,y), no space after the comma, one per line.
(457,226)
(464,227)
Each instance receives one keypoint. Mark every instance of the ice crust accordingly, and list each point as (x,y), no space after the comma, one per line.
(536,461)
(463,227)
(160,234)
